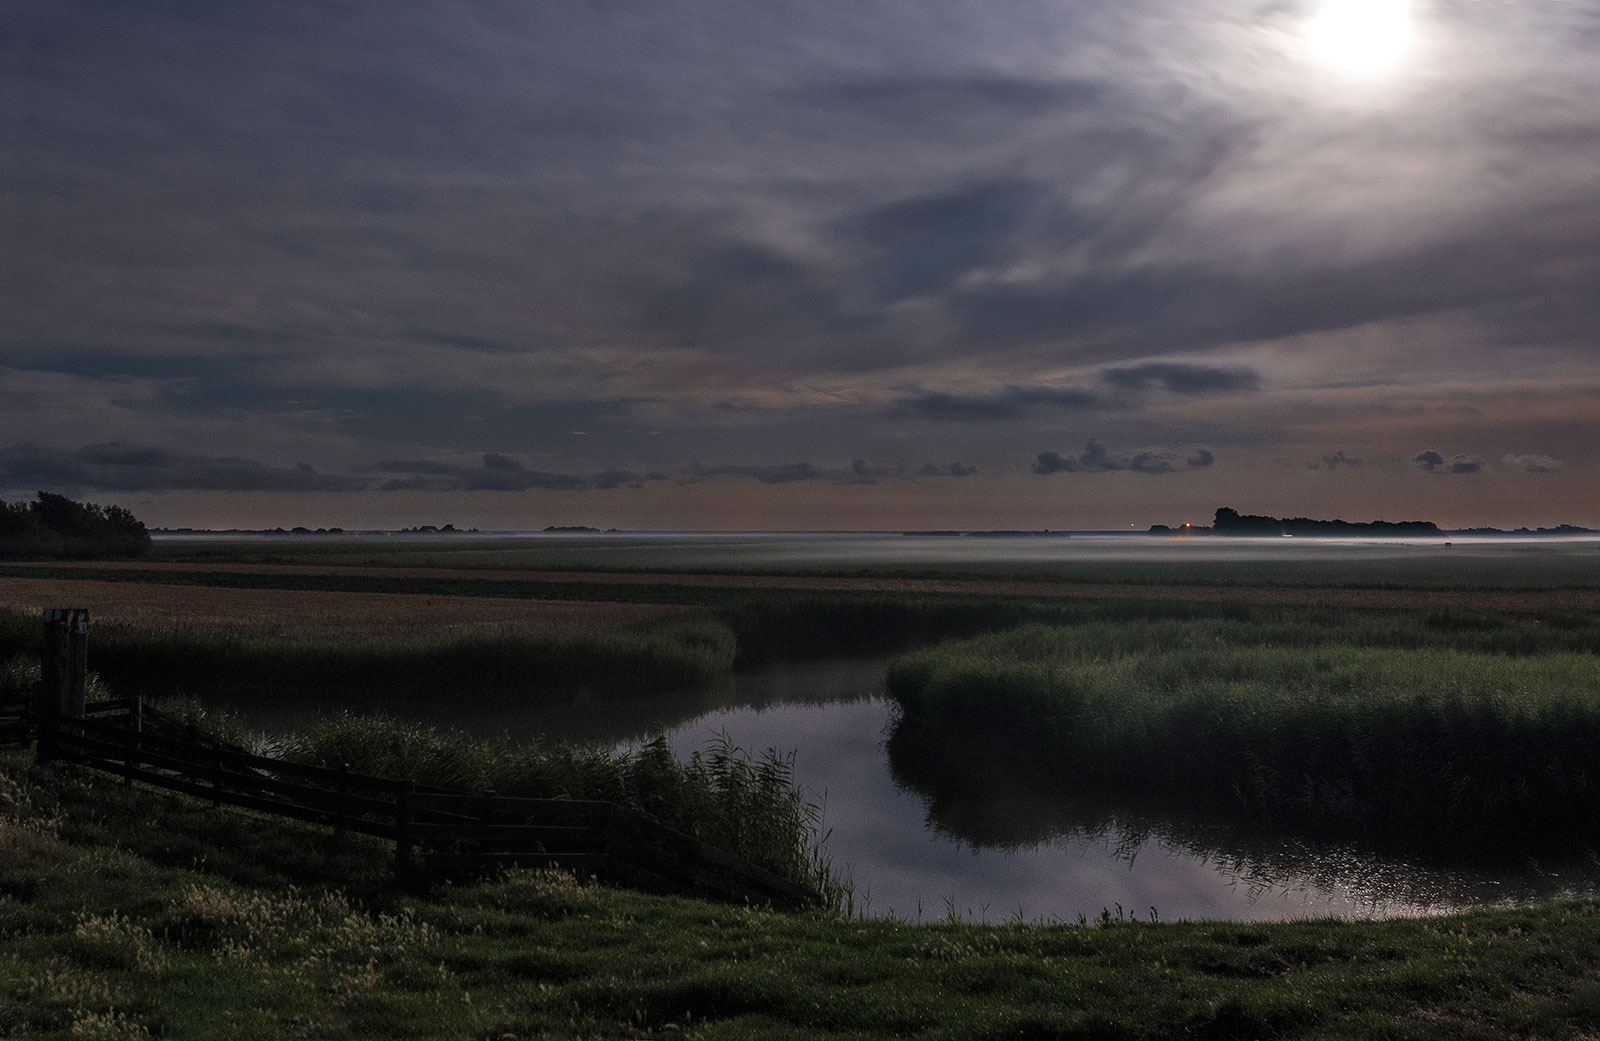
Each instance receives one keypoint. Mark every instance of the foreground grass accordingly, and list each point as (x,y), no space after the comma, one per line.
(132,914)
(1444,731)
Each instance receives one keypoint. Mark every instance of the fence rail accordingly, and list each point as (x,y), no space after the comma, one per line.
(435,830)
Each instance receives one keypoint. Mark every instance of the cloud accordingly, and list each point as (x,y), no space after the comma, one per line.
(946,470)
(783,473)
(1533,464)
(1053,463)
(958,408)
(1097,458)
(1336,460)
(498,473)
(1009,403)
(1435,463)
(1182,378)
(415,219)
(1017,400)
(863,472)
(935,99)
(122,466)
(923,244)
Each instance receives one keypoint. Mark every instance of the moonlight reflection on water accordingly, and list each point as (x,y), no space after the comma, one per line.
(1015,854)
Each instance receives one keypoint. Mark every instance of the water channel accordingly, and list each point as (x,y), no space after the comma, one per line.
(988,852)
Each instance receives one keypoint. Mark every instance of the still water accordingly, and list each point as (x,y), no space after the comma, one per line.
(1004,854)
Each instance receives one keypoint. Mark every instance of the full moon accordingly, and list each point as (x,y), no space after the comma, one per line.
(1360,38)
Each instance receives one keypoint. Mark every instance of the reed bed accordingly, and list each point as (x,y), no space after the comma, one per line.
(1353,726)
(675,652)
(743,802)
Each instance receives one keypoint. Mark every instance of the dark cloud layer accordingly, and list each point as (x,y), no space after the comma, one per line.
(138,468)
(1334,461)
(1097,458)
(1010,403)
(1183,379)
(1123,388)
(1434,462)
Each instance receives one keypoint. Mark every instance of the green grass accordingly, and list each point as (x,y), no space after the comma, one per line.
(666,654)
(131,914)
(1359,724)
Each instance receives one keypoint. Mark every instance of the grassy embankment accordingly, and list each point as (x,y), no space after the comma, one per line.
(1435,731)
(129,914)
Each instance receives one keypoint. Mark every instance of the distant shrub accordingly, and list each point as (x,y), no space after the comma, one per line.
(54,527)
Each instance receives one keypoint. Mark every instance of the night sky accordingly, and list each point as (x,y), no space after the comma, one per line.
(662,264)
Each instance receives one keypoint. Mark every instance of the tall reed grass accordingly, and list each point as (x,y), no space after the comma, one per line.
(1326,727)
(745,803)
(669,653)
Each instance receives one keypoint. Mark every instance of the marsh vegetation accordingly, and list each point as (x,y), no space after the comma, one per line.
(1440,731)
(1223,725)
(217,923)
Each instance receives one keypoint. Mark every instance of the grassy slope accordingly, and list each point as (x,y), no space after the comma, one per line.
(129,913)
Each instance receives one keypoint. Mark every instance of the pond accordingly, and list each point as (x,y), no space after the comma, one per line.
(989,851)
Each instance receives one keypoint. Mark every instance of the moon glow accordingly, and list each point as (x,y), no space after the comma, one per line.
(1360,38)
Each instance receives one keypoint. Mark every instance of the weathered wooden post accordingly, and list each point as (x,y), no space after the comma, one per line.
(341,809)
(64,661)
(485,820)
(127,753)
(403,866)
(130,738)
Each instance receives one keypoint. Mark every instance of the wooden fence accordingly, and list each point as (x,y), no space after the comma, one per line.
(435,830)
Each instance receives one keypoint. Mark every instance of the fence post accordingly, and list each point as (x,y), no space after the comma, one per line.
(130,738)
(403,866)
(216,776)
(64,667)
(127,755)
(485,820)
(65,661)
(341,809)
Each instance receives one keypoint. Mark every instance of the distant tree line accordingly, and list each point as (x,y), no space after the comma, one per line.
(1231,522)
(53,527)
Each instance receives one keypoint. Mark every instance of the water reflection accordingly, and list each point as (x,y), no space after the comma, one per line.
(982,803)
(924,836)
